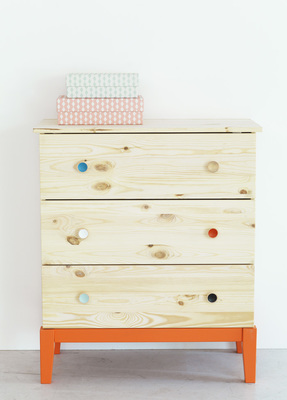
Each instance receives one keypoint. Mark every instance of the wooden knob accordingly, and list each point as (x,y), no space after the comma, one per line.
(213,166)
(212,297)
(83,233)
(84,298)
(82,167)
(213,233)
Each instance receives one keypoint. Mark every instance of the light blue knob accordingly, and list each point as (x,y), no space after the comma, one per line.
(82,167)
(84,298)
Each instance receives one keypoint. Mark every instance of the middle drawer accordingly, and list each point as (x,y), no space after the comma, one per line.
(148,232)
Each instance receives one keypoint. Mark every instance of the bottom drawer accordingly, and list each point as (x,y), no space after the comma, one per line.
(147,296)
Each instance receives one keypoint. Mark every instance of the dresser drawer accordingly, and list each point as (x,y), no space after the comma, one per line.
(151,231)
(142,166)
(147,296)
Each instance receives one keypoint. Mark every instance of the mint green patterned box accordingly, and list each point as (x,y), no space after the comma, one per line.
(101,91)
(119,79)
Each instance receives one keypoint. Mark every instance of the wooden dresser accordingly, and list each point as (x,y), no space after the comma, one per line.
(148,234)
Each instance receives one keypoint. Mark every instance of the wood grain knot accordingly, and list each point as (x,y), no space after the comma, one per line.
(160,254)
(126,148)
(190,296)
(167,217)
(102,186)
(79,274)
(253,225)
(150,245)
(181,303)
(54,221)
(243,191)
(73,240)
(145,207)
(104,166)
(180,194)
(233,211)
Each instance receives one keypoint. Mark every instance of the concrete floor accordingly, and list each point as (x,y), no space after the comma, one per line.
(143,374)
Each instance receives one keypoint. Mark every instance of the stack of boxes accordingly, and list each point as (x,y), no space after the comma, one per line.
(101,99)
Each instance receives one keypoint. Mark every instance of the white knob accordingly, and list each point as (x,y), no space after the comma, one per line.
(83,233)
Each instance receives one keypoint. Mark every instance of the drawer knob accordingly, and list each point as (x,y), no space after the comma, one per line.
(84,298)
(82,167)
(213,166)
(83,233)
(212,298)
(213,233)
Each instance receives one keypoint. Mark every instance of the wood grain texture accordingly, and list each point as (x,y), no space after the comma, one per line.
(147,296)
(155,125)
(147,166)
(144,232)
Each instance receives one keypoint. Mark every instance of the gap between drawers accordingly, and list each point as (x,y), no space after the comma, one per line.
(164,265)
(152,199)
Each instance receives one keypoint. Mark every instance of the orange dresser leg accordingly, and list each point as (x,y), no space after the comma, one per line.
(239,347)
(51,339)
(249,354)
(46,354)
(57,348)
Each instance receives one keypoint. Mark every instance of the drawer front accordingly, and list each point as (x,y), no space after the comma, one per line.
(148,232)
(147,296)
(147,166)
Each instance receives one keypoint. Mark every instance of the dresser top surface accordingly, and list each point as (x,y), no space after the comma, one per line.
(156,125)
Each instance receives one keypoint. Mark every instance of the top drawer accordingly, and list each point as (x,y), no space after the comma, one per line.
(147,166)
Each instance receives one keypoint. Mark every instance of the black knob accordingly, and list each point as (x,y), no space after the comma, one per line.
(212,297)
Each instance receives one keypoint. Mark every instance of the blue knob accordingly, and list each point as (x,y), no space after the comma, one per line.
(82,167)
(84,298)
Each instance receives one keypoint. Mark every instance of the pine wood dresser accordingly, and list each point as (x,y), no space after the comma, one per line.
(148,234)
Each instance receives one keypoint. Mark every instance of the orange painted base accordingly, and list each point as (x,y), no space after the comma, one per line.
(238,347)
(245,338)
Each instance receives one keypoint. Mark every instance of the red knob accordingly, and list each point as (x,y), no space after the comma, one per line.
(213,233)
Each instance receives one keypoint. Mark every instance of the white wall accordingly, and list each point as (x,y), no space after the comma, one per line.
(196,59)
